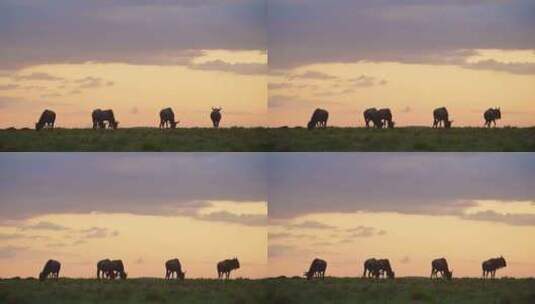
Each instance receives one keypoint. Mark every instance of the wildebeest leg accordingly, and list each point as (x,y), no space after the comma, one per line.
(494,121)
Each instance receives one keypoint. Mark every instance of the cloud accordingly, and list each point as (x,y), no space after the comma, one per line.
(493,65)
(243,219)
(90,82)
(124,183)
(237,68)
(142,32)
(277,86)
(364,81)
(39,76)
(44,226)
(7,252)
(311,225)
(365,232)
(407,183)
(98,233)
(509,219)
(7,87)
(349,31)
(275,251)
(313,75)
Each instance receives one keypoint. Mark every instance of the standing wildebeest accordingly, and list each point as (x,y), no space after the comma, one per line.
(491,265)
(52,267)
(440,116)
(385,268)
(319,119)
(491,115)
(104,268)
(100,116)
(226,266)
(371,115)
(215,116)
(316,270)
(440,265)
(47,119)
(385,117)
(174,266)
(370,268)
(167,119)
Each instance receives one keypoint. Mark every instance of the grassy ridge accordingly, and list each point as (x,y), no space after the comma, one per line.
(332,290)
(271,139)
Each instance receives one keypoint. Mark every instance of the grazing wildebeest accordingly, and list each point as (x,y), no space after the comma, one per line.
(319,119)
(104,268)
(371,115)
(174,266)
(117,269)
(491,265)
(52,267)
(215,116)
(377,268)
(47,119)
(100,116)
(226,266)
(385,116)
(491,115)
(167,119)
(316,270)
(440,265)
(440,116)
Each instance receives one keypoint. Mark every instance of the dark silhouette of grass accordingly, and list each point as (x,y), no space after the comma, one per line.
(273,291)
(271,139)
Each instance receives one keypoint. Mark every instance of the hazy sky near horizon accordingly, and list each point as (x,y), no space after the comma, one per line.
(142,208)
(411,56)
(135,57)
(408,207)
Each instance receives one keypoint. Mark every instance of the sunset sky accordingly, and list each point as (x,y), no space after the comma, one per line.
(141,208)
(411,56)
(135,57)
(408,207)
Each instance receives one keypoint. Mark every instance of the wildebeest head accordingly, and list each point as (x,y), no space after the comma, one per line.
(391,274)
(42,276)
(174,123)
(114,124)
(498,113)
(308,274)
(39,125)
(235,263)
(311,125)
(123,275)
(215,110)
(448,274)
(500,262)
(182,275)
(391,124)
(447,123)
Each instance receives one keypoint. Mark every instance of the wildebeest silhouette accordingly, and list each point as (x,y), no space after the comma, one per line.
(319,119)
(117,269)
(385,116)
(174,266)
(104,268)
(51,268)
(226,266)
(377,268)
(491,265)
(167,119)
(371,115)
(441,265)
(491,115)
(99,118)
(316,270)
(441,116)
(215,116)
(47,119)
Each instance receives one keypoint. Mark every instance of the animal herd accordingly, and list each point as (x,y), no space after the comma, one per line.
(380,118)
(373,268)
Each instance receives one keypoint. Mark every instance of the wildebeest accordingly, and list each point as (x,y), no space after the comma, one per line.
(491,115)
(167,119)
(440,115)
(316,270)
(47,119)
(441,265)
(319,119)
(377,268)
(104,268)
(117,269)
(174,266)
(491,265)
(215,116)
(52,268)
(380,118)
(226,266)
(101,116)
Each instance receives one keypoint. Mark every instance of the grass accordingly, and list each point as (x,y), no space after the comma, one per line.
(507,139)
(280,290)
